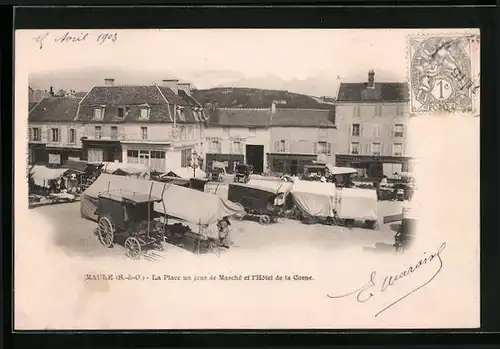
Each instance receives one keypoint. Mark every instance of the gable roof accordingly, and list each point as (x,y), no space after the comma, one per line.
(285,117)
(239,117)
(304,117)
(62,109)
(189,99)
(160,100)
(381,92)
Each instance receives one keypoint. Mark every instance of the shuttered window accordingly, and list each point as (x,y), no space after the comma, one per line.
(95,155)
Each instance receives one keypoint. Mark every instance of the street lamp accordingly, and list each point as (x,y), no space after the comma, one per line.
(195,160)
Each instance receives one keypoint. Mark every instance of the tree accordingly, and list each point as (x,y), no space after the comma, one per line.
(61,93)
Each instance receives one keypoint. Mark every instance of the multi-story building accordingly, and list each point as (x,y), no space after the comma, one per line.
(271,139)
(161,126)
(237,135)
(54,136)
(372,120)
(300,137)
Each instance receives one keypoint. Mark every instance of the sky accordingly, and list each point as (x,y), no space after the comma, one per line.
(309,61)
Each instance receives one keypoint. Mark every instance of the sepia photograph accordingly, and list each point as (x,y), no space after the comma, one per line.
(245,179)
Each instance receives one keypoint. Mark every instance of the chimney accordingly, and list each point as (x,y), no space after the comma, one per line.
(371,78)
(172,84)
(51,92)
(185,86)
(109,82)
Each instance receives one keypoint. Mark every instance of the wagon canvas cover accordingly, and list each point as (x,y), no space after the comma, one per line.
(316,199)
(183,203)
(354,203)
(42,174)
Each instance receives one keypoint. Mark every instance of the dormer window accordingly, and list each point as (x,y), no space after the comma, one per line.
(145,111)
(98,113)
(180,112)
(120,112)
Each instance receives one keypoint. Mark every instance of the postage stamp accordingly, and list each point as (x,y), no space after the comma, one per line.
(444,73)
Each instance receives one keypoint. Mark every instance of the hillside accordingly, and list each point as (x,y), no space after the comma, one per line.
(236,97)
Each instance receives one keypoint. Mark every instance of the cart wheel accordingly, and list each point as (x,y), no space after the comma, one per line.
(264,219)
(106,232)
(371,224)
(133,247)
(329,221)
(158,246)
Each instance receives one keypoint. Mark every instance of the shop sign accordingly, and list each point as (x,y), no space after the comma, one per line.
(55,159)
(213,139)
(237,139)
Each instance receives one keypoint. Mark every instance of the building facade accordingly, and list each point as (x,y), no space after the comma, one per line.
(237,135)
(372,122)
(300,137)
(160,126)
(54,136)
(273,140)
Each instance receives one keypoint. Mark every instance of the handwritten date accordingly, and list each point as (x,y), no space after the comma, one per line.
(75,37)
(372,288)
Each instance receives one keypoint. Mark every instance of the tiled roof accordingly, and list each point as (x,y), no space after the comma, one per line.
(123,95)
(54,109)
(382,92)
(31,105)
(132,98)
(304,117)
(189,99)
(157,113)
(171,97)
(262,117)
(80,94)
(239,117)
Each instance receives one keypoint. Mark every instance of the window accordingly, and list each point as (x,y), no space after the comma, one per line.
(98,132)
(72,136)
(186,157)
(98,114)
(322,133)
(356,128)
(376,149)
(378,110)
(95,155)
(190,132)
(252,131)
(225,130)
(114,132)
(55,135)
(157,162)
(144,133)
(376,130)
(282,146)
(120,112)
(397,149)
(36,134)
(324,148)
(398,130)
(215,147)
(180,113)
(144,113)
(237,148)
(354,148)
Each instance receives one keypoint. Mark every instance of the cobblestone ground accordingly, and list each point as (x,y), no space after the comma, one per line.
(75,236)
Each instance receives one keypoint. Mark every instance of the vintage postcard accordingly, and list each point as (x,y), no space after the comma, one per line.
(246,179)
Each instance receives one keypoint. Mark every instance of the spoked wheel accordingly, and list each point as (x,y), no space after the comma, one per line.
(158,246)
(264,219)
(106,232)
(329,221)
(133,247)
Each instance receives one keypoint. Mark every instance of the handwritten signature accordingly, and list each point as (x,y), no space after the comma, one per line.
(370,289)
(69,37)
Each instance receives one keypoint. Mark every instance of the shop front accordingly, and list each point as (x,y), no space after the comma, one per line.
(374,166)
(229,160)
(57,156)
(292,164)
(38,154)
(101,150)
(156,156)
